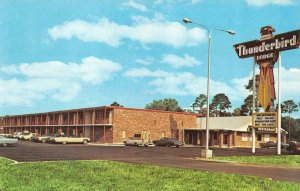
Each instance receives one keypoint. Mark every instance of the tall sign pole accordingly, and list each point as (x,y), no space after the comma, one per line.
(253,104)
(266,52)
(279,109)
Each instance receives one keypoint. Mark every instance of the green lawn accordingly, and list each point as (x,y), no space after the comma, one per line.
(283,160)
(108,175)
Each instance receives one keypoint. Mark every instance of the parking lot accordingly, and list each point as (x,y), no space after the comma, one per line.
(30,151)
(185,157)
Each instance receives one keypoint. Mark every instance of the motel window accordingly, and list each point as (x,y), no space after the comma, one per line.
(244,136)
(259,137)
(267,137)
(163,134)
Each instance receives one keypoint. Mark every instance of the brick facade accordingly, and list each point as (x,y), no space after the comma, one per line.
(128,122)
(114,124)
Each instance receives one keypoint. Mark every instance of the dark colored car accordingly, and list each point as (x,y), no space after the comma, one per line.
(271,144)
(294,147)
(168,142)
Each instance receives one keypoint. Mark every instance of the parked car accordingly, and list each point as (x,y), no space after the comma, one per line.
(137,141)
(41,138)
(7,135)
(69,139)
(17,134)
(4,141)
(271,144)
(294,147)
(27,136)
(168,142)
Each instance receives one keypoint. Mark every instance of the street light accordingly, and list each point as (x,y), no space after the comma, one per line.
(208,154)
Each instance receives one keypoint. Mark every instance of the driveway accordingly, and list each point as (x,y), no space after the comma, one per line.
(186,157)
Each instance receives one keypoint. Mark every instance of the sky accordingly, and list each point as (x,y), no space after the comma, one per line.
(58,55)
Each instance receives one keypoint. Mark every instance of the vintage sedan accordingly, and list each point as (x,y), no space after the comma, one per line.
(136,141)
(4,141)
(27,136)
(41,138)
(168,142)
(17,135)
(69,139)
(273,144)
(294,147)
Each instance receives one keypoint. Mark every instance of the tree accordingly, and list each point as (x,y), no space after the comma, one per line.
(199,103)
(237,112)
(165,105)
(249,86)
(247,107)
(116,104)
(289,107)
(220,104)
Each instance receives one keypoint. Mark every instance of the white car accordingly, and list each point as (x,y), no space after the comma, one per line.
(4,141)
(17,135)
(27,136)
(70,139)
(136,141)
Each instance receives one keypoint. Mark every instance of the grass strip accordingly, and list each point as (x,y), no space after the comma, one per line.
(279,160)
(109,175)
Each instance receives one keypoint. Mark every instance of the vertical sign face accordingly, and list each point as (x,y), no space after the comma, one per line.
(265,120)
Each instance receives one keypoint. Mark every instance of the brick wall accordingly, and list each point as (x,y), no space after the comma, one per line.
(240,143)
(128,122)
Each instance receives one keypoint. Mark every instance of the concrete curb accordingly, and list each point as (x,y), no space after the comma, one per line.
(247,163)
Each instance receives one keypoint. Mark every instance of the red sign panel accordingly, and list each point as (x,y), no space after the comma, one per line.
(266,50)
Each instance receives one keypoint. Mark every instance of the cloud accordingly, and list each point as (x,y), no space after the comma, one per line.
(146,61)
(57,80)
(188,84)
(185,83)
(177,62)
(135,5)
(261,3)
(290,81)
(144,72)
(144,30)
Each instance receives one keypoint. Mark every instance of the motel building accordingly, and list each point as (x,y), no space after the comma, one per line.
(108,124)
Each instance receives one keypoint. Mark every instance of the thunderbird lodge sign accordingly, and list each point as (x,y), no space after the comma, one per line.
(265,52)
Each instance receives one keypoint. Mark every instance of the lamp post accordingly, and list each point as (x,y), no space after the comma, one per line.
(208,153)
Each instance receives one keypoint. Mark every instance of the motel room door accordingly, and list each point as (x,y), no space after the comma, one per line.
(225,138)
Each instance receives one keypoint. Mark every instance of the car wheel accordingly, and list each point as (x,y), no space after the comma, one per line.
(43,140)
(4,145)
(293,151)
(135,144)
(85,141)
(64,142)
(177,146)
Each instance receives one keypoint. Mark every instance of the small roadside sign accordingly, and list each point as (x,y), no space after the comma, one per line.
(264,120)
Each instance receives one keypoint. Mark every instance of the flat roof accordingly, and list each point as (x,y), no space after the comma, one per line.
(102,108)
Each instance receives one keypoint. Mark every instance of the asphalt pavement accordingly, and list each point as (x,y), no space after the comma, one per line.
(186,157)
